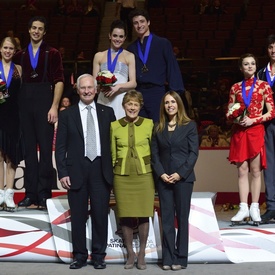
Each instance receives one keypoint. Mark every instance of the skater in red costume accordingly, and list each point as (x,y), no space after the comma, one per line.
(247,149)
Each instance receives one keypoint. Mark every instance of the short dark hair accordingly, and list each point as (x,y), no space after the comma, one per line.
(240,62)
(270,40)
(139,12)
(40,19)
(118,24)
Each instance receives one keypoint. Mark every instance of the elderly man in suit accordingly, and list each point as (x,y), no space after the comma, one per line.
(83,159)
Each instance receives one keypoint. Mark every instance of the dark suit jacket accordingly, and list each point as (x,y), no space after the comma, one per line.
(70,148)
(176,154)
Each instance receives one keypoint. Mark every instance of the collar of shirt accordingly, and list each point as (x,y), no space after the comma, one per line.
(83,106)
(268,67)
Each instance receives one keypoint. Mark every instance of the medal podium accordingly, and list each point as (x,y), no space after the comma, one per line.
(45,236)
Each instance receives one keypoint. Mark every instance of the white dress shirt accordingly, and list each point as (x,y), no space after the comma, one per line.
(83,113)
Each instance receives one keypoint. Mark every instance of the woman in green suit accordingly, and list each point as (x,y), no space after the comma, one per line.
(133,180)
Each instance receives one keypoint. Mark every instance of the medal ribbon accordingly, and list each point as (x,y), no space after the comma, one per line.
(8,81)
(33,59)
(247,98)
(112,65)
(144,57)
(268,78)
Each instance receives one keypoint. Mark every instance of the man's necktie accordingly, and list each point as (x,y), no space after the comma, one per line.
(91,136)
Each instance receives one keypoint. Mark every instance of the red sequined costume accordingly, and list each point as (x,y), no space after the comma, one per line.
(248,142)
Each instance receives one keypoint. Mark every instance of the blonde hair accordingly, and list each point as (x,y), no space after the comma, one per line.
(182,117)
(11,40)
(133,95)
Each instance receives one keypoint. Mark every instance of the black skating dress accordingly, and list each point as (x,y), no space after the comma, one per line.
(10,134)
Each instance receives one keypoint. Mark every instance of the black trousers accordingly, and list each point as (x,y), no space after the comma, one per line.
(175,202)
(97,190)
(35,100)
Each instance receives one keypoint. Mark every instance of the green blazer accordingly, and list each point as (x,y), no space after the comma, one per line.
(131,140)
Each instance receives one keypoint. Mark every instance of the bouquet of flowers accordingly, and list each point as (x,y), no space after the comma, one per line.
(237,110)
(106,78)
(3,88)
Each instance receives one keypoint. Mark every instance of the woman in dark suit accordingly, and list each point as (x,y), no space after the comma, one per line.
(175,145)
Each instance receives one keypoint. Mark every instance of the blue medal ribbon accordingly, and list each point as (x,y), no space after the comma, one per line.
(112,65)
(33,59)
(8,81)
(247,98)
(268,78)
(144,57)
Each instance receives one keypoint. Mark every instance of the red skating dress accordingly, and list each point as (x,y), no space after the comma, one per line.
(248,142)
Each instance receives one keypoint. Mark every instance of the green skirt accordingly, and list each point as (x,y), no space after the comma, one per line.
(134,194)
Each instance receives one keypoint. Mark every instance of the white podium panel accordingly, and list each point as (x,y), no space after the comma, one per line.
(45,236)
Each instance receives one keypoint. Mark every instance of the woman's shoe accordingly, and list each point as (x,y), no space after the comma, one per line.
(176,267)
(141,266)
(130,263)
(255,213)
(10,205)
(243,214)
(166,267)
(2,196)
(129,266)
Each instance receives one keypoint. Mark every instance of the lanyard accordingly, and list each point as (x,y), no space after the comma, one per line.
(247,98)
(112,65)
(144,57)
(33,59)
(8,81)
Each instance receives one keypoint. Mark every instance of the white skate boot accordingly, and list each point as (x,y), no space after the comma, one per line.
(243,214)
(2,197)
(10,205)
(255,213)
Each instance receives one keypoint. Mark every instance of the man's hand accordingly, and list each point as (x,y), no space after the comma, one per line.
(52,115)
(66,183)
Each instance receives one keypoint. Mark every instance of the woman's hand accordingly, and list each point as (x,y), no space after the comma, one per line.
(172,179)
(103,89)
(246,121)
(109,91)
(165,178)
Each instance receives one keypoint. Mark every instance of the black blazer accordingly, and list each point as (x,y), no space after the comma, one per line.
(176,154)
(70,148)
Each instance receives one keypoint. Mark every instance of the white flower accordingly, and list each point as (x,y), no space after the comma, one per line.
(107,74)
(234,107)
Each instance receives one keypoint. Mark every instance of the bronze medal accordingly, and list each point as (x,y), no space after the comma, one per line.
(34,74)
(144,69)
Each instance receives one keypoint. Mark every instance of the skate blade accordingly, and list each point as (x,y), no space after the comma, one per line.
(240,223)
(10,209)
(255,223)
